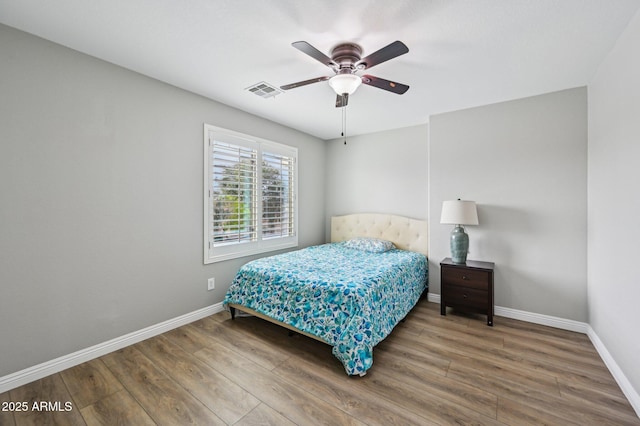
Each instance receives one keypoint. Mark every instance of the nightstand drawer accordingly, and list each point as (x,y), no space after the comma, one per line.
(467,287)
(465,297)
(466,278)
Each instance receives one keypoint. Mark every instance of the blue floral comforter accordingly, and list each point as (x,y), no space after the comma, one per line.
(349,298)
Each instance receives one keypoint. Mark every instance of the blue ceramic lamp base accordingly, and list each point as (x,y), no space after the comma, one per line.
(459,245)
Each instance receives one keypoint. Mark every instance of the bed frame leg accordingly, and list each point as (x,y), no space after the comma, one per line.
(232,310)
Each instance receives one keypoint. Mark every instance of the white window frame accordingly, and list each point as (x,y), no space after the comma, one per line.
(216,253)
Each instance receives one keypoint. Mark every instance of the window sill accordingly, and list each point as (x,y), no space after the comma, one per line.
(242,250)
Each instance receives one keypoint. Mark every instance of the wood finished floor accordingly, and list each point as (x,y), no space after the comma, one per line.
(430,370)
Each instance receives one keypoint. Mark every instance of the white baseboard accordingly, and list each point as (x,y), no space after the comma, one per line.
(626,387)
(435,298)
(580,327)
(551,321)
(45,369)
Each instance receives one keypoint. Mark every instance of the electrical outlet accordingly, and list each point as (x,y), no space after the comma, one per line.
(211,283)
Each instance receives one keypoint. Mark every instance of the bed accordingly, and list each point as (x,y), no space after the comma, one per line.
(349,293)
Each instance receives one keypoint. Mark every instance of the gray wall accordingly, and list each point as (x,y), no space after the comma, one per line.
(525,163)
(614,203)
(101,209)
(384,172)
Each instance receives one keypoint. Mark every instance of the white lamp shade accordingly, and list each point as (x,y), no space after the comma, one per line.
(345,83)
(459,212)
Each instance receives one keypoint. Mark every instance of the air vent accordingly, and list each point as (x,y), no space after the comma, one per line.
(264,90)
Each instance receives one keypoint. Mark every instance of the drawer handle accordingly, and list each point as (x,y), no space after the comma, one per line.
(464,296)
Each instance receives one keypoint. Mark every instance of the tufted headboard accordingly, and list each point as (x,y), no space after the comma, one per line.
(404,232)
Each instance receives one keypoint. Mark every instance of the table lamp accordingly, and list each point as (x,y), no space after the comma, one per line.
(459,212)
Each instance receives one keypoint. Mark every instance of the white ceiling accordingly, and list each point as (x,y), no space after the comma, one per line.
(462,53)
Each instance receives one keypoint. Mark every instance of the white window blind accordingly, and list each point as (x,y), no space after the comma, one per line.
(250,195)
(277,195)
(233,189)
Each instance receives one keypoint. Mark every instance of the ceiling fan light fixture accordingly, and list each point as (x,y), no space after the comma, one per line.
(345,83)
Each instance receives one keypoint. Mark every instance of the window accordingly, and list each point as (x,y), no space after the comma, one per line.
(250,195)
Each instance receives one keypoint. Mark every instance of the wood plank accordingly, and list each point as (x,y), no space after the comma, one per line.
(164,400)
(222,396)
(49,402)
(116,409)
(430,313)
(515,413)
(289,343)
(90,382)
(503,380)
(397,356)
(264,415)
(188,339)
(614,404)
(534,398)
(529,329)
(421,402)
(572,373)
(291,401)
(346,393)
(258,350)
(562,352)
(464,336)
(419,376)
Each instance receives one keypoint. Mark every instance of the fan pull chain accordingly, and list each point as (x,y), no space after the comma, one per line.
(344,123)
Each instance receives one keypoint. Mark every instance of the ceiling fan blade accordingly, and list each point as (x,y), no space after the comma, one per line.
(303,83)
(381,83)
(342,100)
(391,51)
(305,47)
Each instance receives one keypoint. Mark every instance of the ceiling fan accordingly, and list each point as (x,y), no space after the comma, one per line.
(345,61)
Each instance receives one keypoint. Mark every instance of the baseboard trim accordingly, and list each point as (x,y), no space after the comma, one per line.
(626,387)
(45,369)
(551,321)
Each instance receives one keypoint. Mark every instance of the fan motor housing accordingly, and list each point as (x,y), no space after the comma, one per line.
(346,55)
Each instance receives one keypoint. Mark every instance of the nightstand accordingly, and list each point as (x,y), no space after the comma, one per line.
(467,287)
